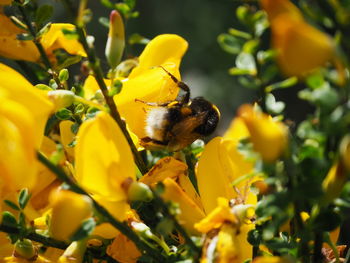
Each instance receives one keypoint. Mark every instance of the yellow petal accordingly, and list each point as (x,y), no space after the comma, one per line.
(102,150)
(161,49)
(272,260)
(190,212)
(269,137)
(228,246)
(151,85)
(12,48)
(55,39)
(123,250)
(221,214)
(64,222)
(215,168)
(301,47)
(67,136)
(16,145)
(167,167)
(237,130)
(275,8)
(17,88)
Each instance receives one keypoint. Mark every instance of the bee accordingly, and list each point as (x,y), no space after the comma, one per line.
(173,125)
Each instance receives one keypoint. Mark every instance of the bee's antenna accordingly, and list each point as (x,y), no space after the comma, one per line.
(181,85)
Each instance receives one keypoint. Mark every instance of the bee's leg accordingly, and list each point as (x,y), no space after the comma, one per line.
(181,85)
(155,104)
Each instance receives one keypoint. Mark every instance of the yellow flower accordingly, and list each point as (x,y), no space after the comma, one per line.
(334,182)
(221,214)
(301,47)
(102,150)
(269,137)
(274,8)
(5,2)
(123,250)
(17,144)
(16,49)
(68,211)
(18,89)
(67,137)
(272,260)
(177,188)
(147,81)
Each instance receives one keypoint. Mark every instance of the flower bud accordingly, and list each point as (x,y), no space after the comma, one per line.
(61,98)
(116,39)
(139,192)
(269,137)
(24,249)
(334,182)
(68,211)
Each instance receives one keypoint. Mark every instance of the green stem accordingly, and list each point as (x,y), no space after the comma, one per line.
(318,241)
(38,45)
(122,227)
(48,241)
(96,68)
(159,201)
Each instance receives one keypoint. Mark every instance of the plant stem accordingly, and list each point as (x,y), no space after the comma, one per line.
(96,68)
(159,201)
(38,45)
(49,242)
(318,241)
(122,227)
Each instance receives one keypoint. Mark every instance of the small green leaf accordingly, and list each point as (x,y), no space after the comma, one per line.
(84,230)
(138,39)
(43,13)
(107,3)
(43,87)
(22,221)
(282,85)
(63,75)
(8,219)
(238,33)
(44,29)
(116,88)
(64,114)
(79,109)
(272,105)
(237,71)
(251,46)
(246,61)
(230,44)
(104,21)
(242,13)
(12,205)
(23,198)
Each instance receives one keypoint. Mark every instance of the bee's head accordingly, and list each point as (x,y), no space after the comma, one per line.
(211,115)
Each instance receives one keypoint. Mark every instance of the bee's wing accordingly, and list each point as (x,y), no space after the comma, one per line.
(182,133)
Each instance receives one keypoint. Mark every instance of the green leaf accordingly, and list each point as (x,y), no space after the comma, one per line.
(44,29)
(43,13)
(123,8)
(251,46)
(238,33)
(116,88)
(138,39)
(79,109)
(8,219)
(43,87)
(22,221)
(273,106)
(84,230)
(70,60)
(107,3)
(12,205)
(324,96)
(282,85)
(63,75)
(237,71)
(316,81)
(242,13)
(246,61)
(230,44)
(104,21)
(64,114)
(265,56)
(23,198)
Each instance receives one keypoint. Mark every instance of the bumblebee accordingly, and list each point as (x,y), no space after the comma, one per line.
(173,125)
